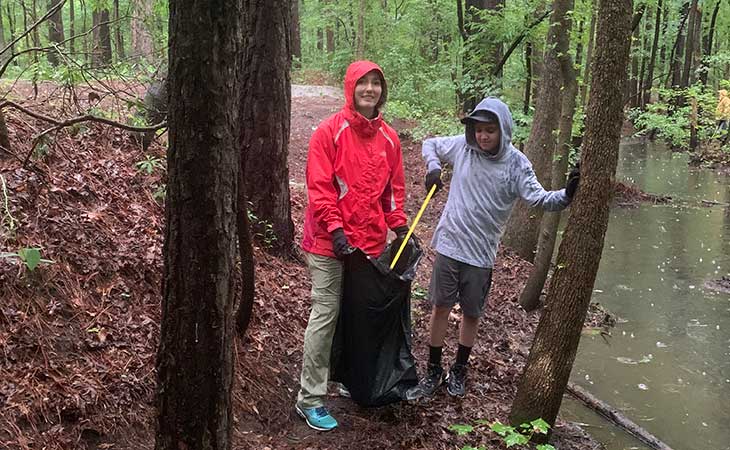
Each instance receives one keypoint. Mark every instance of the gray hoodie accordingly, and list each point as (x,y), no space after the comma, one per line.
(483,190)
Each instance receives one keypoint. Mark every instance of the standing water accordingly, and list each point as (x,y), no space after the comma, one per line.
(666,365)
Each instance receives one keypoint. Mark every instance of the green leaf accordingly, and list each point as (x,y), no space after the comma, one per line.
(515,439)
(469,447)
(483,422)
(461,429)
(31,257)
(540,426)
(544,447)
(501,429)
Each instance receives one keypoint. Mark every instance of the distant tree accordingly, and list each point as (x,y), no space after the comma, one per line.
(102,52)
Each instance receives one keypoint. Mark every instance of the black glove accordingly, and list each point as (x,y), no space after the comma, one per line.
(340,245)
(434,177)
(401,231)
(571,185)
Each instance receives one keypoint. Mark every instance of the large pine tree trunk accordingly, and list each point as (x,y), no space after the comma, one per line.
(524,223)
(265,115)
(551,358)
(102,52)
(140,33)
(195,356)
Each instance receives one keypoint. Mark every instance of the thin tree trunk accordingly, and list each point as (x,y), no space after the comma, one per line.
(675,59)
(708,41)
(2,33)
(195,357)
(296,37)
(86,38)
(551,358)
(11,28)
(118,41)
(631,86)
(528,77)
(360,38)
(589,59)
(689,49)
(4,136)
(102,51)
(141,37)
(649,80)
(530,297)
(72,28)
(55,31)
(645,50)
(524,223)
(265,115)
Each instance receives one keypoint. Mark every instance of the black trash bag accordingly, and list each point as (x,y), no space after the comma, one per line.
(371,350)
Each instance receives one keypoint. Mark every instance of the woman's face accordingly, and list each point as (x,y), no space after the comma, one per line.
(367,94)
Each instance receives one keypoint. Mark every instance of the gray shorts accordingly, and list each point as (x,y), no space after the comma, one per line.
(454,281)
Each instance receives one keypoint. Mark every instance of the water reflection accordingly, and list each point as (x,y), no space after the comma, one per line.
(667,364)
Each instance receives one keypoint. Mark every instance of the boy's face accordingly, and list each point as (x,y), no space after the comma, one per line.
(367,94)
(487,136)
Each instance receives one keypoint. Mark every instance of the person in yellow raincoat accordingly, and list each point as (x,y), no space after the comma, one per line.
(723,109)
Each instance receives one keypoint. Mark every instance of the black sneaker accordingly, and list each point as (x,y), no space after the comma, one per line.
(428,384)
(456,380)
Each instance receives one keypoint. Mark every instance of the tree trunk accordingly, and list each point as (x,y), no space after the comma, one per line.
(11,28)
(140,34)
(118,41)
(524,222)
(296,37)
(360,38)
(72,28)
(102,52)
(196,340)
(631,86)
(84,22)
(551,358)
(2,34)
(689,49)
(708,41)
(4,136)
(697,47)
(195,356)
(649,80)
(34,18)
(675,59)
(528,78)
(589,59)
(530,297)
(265,115)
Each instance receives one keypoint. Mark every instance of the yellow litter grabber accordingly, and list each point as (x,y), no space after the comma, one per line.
(413,226)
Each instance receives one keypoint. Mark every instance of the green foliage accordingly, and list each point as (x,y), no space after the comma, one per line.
(29,256)
(670,118)
(262,230)
(511,436)
(149,164)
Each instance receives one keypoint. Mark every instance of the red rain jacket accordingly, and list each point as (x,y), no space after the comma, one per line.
(354,176)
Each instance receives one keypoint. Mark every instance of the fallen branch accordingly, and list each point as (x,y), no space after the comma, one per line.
(616,417)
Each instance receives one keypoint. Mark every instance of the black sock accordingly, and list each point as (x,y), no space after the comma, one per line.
(462,355)
(434,355)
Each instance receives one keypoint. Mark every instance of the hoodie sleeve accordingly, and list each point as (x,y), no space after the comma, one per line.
(441,150)
(394,195)
(531,191)
(320,180)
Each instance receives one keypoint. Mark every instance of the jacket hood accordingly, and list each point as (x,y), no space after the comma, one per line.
(355,71)
(501,110)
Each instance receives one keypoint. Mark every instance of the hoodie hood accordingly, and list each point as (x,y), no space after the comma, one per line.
(501,110)
(361,124)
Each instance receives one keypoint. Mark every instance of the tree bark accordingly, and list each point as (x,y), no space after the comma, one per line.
(140,33)
(72,27)
(530,297)
(524,222)
(551,358)
(631,86)
(102,51)
(528,78)
(195,356)
(2,33)
(265,115)
(4,136)
(649,80)
(118,40)
(689,49)
(296,37)
(675,59)
(708,41)
(589,59)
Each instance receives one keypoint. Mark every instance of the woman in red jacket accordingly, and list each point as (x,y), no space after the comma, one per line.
(356,191)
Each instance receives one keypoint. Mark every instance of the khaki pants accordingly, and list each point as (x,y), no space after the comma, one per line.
(326,276)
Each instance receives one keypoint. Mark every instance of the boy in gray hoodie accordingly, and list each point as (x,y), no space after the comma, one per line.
(489,175)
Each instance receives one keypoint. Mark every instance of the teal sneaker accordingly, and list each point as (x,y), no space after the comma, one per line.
(317,418)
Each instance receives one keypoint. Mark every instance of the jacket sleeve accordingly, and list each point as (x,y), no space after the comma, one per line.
(394,195)
(320,180)
(441,150)
(531,191)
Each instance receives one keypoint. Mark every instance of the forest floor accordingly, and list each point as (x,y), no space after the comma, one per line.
(79,335)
